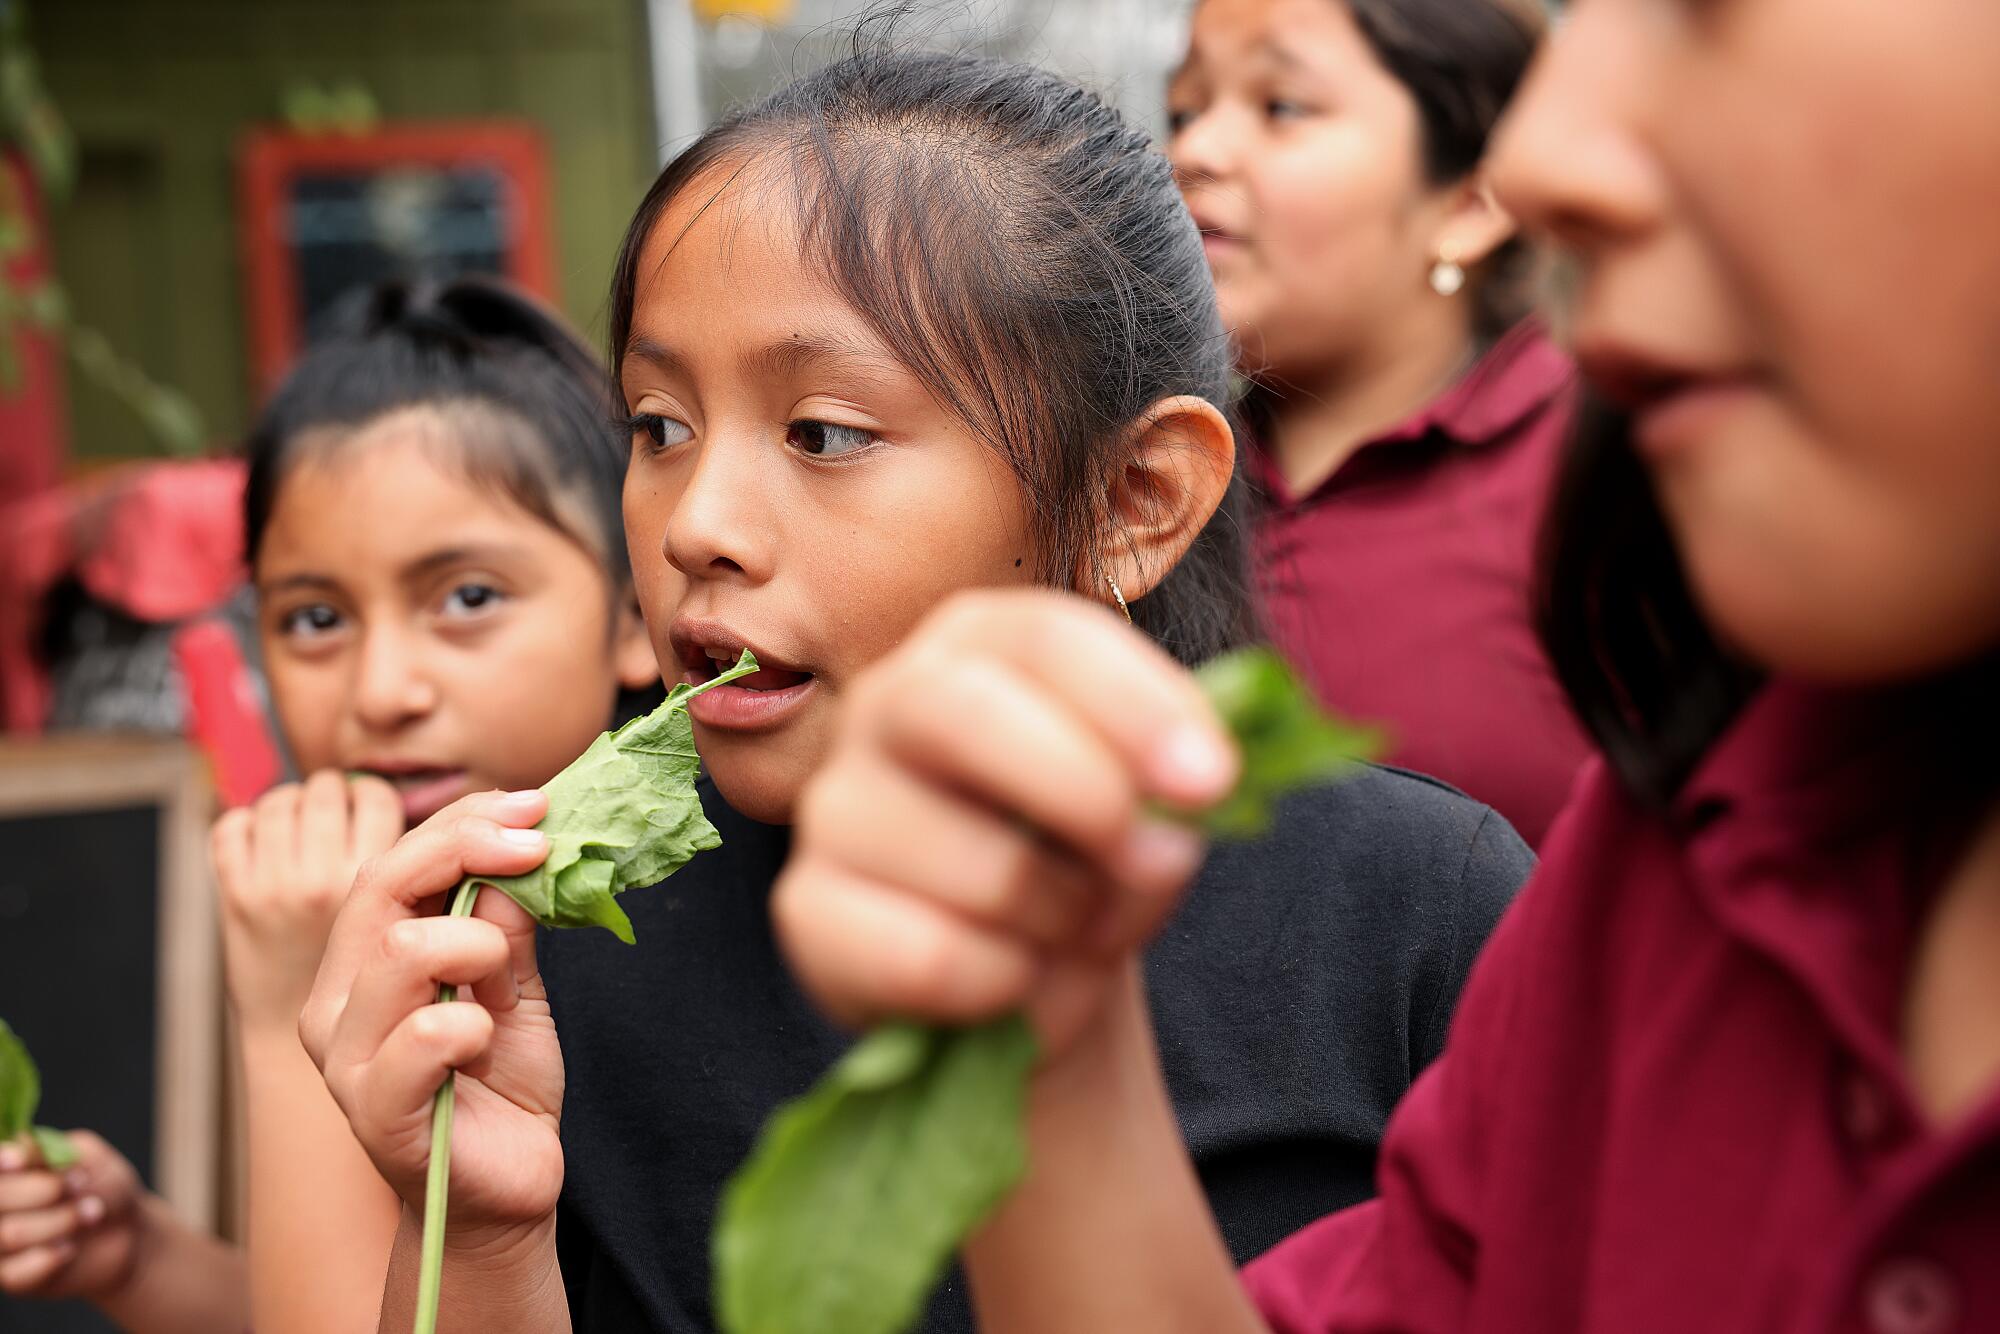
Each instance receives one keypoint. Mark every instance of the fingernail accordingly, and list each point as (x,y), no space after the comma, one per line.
(12,1158)
(90,1209)
(522,838)
(1160,853)
(1193,758)
(522,796)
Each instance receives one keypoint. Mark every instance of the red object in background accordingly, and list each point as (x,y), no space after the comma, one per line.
(225,713)
(33,417)
(286,179)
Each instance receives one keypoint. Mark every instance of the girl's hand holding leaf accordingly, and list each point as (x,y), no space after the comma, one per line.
(384,1045)
(69,1232)
(1036,740)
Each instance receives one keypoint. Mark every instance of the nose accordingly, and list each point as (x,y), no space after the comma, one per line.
(718,527)
(393,689)
(1204,148)
(1569,160)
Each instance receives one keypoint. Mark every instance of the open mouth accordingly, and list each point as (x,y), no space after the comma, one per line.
(764,699)
(424,790)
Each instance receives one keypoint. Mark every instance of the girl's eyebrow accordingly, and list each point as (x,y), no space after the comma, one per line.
(655,353)
(800,352)
(288,583)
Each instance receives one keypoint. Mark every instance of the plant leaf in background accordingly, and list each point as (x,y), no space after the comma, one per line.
(623,815)
(856,1195)
(20,1095)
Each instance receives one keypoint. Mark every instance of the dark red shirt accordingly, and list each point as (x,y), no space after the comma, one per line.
(1400,585)
(1672,1100)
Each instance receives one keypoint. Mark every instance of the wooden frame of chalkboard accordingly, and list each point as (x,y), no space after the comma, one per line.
(67,775)
(320,212)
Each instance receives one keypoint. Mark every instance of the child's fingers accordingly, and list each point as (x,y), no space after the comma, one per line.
(39,1227)
(23,1190)
(274,837)
(483,834)
(378,817)
(971,861)
(866,951)
(323,820)
(24,1273)
(396,1086)
(1028,755)
(414,957)
(1146,706)
(229,845)
(519,928)
(101,1170)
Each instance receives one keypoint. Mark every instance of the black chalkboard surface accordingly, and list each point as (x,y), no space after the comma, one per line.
(108,963)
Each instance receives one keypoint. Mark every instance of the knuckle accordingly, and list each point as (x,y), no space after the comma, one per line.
(403,942)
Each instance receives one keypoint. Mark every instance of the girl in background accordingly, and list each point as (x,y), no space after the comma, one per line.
(444,607)
(1730,1064)
(1406,409)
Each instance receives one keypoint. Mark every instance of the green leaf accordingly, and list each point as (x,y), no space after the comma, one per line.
(1287,743)
(860,1191)
(624,815)
(20,1086)
(857,1193)
(56,1150)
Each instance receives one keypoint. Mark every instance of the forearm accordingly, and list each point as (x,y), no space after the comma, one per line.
(183,1281)
(503,1283)
(1110,1231)
(320,1221)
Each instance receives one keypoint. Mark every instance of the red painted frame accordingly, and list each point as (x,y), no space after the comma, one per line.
(269,160)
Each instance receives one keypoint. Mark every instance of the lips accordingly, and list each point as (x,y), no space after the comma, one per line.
(1673,404)
(425,789)
(764,699)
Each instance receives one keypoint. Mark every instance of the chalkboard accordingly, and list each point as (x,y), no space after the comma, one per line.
(108,963)
(323,214)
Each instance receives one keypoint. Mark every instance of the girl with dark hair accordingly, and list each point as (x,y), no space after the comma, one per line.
(916,324)
(1731,1062)
(1407,410)
(444,606)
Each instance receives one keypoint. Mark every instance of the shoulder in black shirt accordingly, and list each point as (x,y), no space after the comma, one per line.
(1309,977)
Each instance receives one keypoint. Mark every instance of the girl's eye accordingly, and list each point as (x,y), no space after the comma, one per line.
(658,432)
(471,598)
(1179,118)
(1279,109)
(826,439)
(309,622)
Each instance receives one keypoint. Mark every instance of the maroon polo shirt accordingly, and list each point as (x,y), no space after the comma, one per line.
(1671,1099)
(1400,585)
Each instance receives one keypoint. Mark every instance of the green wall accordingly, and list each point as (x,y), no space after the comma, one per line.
(159,92)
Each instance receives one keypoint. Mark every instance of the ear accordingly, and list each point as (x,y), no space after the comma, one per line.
(1178,464)
(632,654)
(1473,225)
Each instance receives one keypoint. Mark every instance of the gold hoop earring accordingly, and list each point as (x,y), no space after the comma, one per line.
(1447,275)
(1119,597)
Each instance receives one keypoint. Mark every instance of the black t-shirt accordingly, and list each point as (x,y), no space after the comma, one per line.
(1308,978)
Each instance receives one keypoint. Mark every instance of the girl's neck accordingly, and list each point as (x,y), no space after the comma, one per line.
(1319,420)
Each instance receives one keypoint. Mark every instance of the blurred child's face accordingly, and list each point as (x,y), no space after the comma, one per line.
(423,627)
(1784,212)
(1301,159)
(793,489)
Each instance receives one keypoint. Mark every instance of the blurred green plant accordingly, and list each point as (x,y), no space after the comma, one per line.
(342,108)
(33,132)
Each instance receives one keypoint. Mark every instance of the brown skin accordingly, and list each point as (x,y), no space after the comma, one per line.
(1293,139)
(391,589)
(824,563)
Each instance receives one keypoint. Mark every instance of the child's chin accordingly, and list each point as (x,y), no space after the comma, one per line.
(756,776)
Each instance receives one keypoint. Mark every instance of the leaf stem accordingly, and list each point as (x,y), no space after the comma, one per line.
(437,1179)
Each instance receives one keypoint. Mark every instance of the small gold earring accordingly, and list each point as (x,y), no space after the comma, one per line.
(1120,598)
(1447,275)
